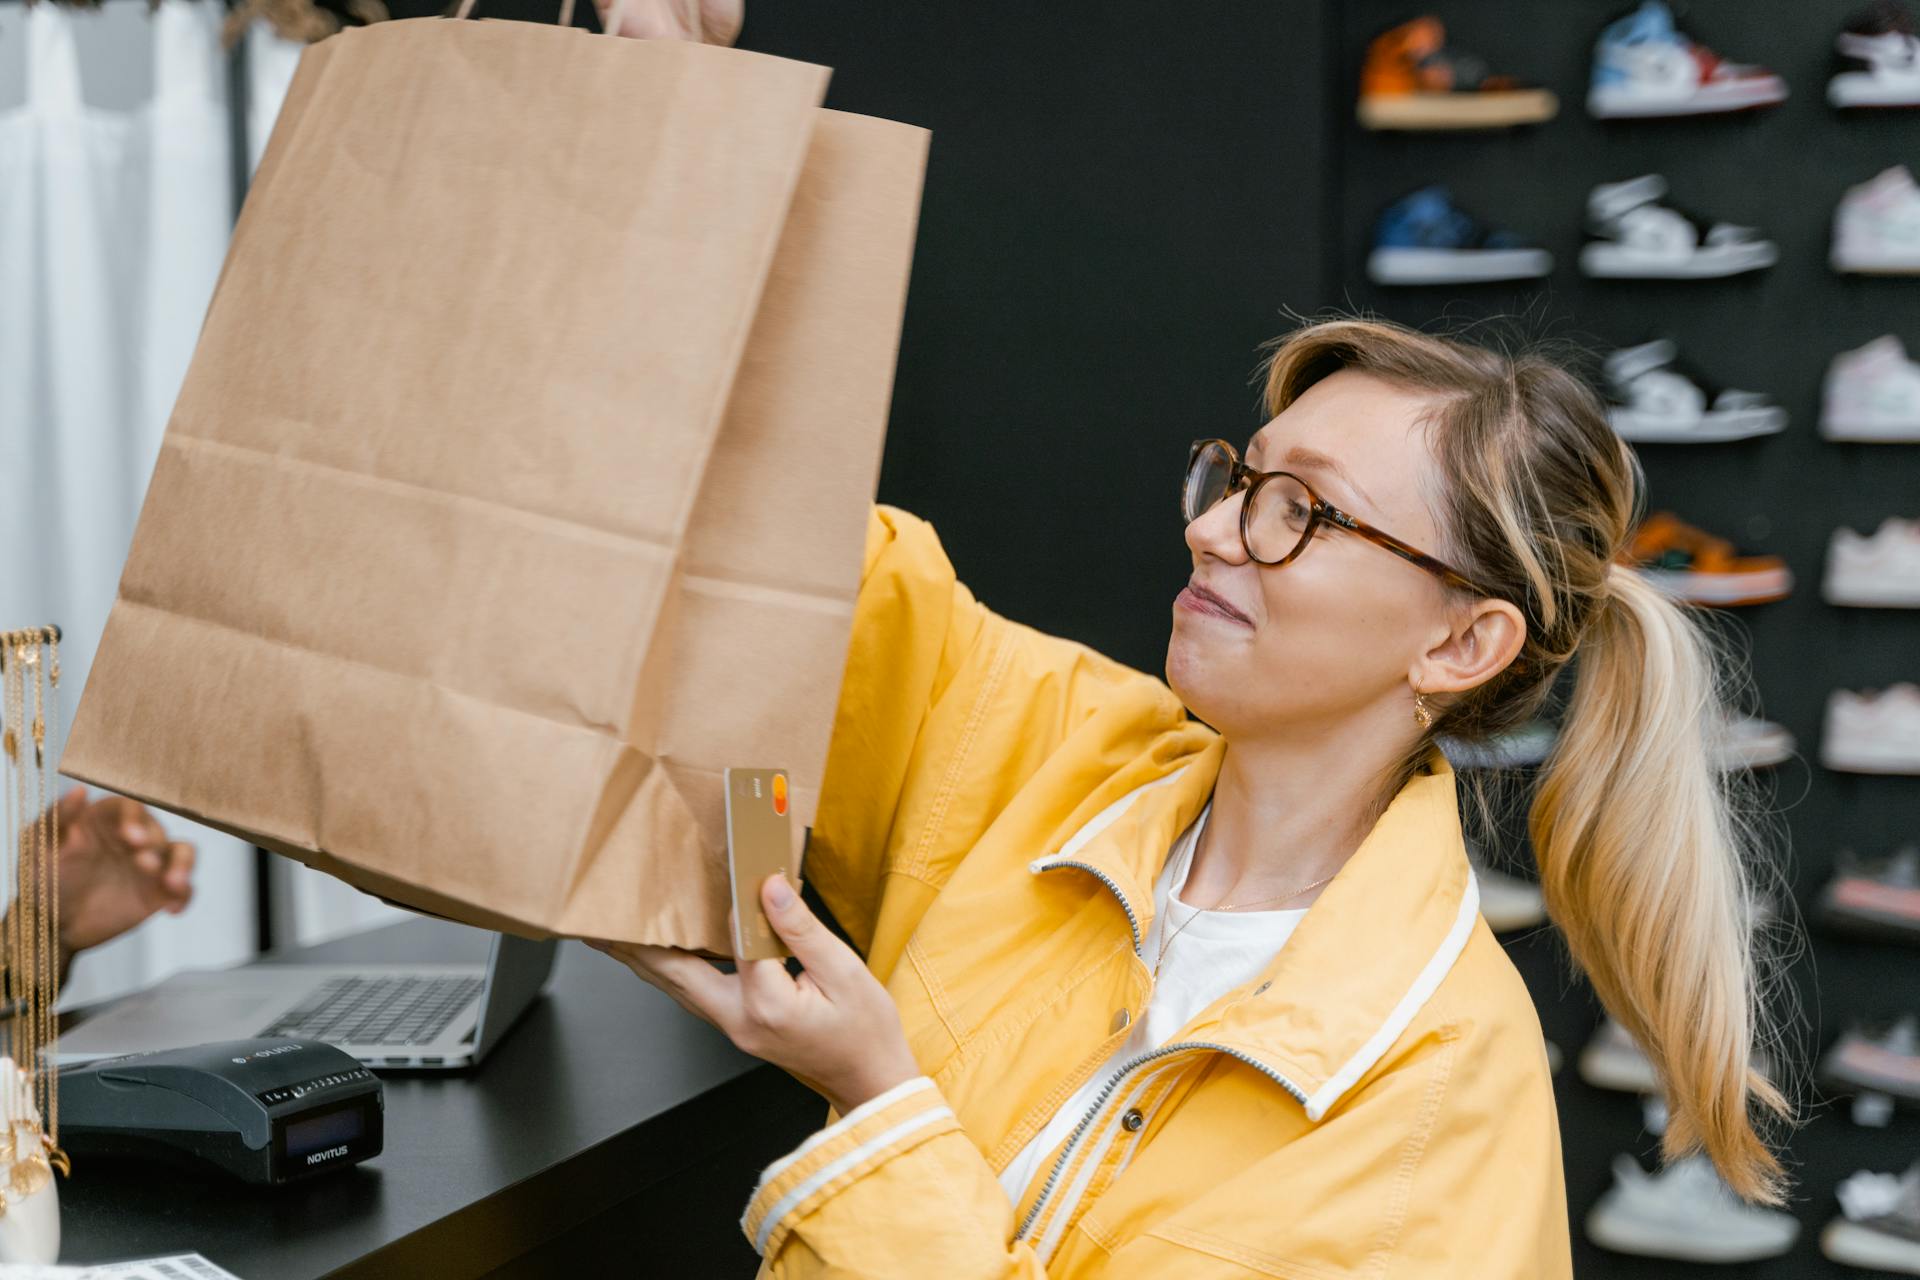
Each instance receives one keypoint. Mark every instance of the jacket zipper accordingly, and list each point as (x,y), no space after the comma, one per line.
(1100,1100)
(1133,921)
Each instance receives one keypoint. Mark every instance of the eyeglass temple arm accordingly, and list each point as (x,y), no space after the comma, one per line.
(1405,552)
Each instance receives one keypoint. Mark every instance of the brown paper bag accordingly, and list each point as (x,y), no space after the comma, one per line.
(520,479)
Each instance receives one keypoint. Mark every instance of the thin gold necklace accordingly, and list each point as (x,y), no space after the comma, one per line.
(1171,897)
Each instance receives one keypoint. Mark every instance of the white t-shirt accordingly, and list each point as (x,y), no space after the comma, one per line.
(1214,953)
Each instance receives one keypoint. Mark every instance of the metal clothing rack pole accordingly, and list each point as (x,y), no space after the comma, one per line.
(239,112)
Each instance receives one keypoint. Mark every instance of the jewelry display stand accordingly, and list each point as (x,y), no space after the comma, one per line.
(29,947)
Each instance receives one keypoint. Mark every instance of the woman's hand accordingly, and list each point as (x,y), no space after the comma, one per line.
(702,21)
(117,867)
(834,1027)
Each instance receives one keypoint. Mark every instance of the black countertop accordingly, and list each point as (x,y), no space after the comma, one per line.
(608,1119)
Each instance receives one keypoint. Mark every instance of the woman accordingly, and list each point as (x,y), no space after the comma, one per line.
(1351,1081)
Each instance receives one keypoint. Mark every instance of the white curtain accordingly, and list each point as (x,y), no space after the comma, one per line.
(114,218)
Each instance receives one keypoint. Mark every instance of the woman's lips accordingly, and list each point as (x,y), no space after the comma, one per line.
(1200,600)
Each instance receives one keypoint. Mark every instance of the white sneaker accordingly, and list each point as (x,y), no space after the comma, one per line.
(1636,238)
(1527,745)
(1879,1226)
(1876,228)
(1886,73)
(1612,1059)
(1508,902)
(1873,732)
(1872,393)
(1660,405)
(1878,572)
(1750,743)
(1686,1212)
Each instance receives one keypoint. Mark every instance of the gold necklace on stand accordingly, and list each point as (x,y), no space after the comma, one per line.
(30,932)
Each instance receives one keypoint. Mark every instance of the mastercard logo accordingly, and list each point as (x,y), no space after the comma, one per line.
(780,794)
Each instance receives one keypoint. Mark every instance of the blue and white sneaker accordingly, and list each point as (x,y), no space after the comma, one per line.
(1424,238)
(1645,66)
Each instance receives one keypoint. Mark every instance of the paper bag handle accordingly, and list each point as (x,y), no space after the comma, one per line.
(612,24)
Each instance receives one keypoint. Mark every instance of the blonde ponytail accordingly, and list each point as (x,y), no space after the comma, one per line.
(1643,866)
(1647,851)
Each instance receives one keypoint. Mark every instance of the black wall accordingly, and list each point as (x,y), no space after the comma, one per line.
(1120,199)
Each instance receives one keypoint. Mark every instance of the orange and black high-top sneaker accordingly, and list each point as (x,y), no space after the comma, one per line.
(1411,80)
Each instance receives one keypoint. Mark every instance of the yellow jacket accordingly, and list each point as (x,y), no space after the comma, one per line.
(996,806)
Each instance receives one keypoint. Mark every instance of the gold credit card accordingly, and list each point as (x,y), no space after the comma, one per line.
(759,843)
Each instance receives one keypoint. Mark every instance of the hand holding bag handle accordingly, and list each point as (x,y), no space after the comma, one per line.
(610,22)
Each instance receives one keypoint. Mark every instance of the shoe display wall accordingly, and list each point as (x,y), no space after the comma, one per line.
(1773,404)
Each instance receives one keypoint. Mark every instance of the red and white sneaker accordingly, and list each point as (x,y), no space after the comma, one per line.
(1645,66)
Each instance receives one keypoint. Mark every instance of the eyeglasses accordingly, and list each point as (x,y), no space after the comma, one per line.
(1282,511)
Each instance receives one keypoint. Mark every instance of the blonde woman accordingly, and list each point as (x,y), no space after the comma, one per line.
(1139,995)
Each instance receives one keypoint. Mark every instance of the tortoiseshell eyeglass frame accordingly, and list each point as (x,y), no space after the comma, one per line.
(1240,475)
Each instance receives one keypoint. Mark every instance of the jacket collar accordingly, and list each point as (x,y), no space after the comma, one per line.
(1369,953)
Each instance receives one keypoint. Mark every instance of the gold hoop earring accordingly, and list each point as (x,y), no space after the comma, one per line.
(1422,713)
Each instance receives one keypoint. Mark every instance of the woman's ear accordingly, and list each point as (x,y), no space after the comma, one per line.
(1479,646)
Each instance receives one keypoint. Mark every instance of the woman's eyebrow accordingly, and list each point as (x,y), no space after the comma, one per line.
(1302,456)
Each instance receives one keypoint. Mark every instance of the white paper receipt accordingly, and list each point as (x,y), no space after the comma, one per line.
(175,1266)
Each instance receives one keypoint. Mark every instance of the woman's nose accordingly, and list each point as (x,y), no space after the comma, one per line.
(1216,531)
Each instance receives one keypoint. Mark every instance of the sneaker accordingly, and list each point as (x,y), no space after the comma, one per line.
(1527,745)
(1411,80)
(1878,572)
(1877,899)
(1886,1060)
(1613,1059)
(1697,567)
(1631,237)
(1882,51)
(1424,238)
(1876,227)
(1686,1212)
(1644,66)
(1873,732)
(1879,1223)
(1507,902)
(1872,393)
(1747,742)
(1660,404)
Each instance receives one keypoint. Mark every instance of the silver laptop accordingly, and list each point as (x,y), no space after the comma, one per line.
(426,1016)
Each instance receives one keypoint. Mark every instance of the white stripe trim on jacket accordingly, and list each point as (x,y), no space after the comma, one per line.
(1403,1013)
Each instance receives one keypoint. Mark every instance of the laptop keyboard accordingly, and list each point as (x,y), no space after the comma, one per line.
(396,1010)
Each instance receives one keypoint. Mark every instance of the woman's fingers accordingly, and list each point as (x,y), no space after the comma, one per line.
(821,952)
(694,985)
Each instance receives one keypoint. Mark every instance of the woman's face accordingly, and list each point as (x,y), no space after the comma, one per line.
(1344,626)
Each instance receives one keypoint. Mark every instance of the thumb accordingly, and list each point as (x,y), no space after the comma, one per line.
(800,929)
(70,806)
